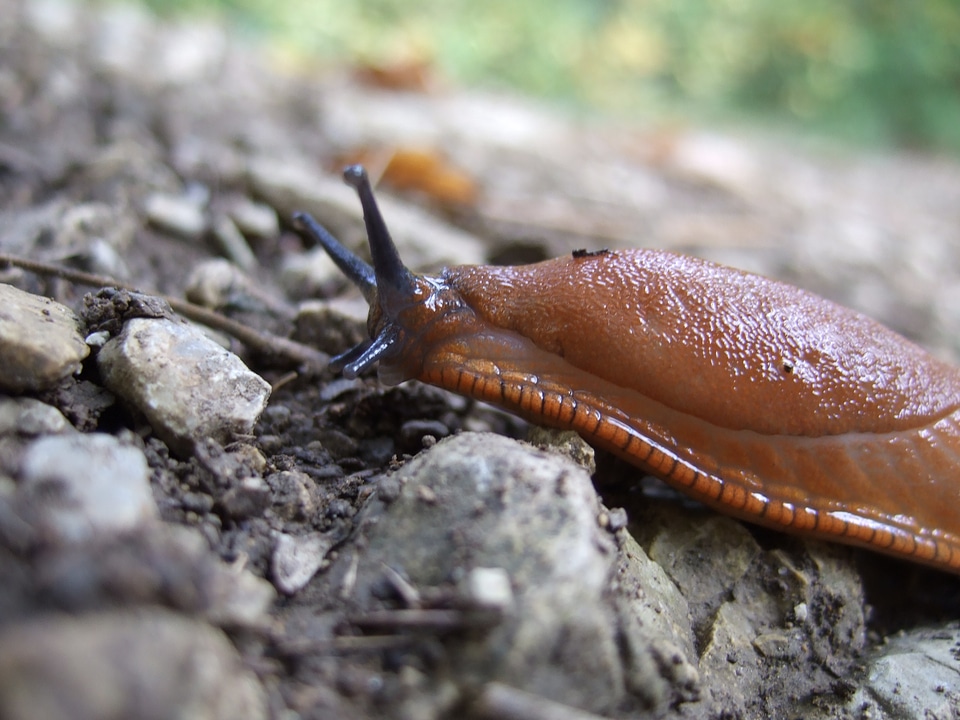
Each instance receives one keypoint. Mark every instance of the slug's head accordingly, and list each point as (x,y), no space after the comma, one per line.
(400,302)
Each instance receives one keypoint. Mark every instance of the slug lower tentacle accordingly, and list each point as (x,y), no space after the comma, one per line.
(756,397)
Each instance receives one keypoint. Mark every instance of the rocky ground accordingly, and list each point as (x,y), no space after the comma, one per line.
(200,520)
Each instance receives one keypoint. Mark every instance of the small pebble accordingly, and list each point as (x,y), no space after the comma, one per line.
(254,219)
(214,283)
(414,432)
(427,494)
(338,444)
(233,245)
(489,588)
(377,451)
(777,645)
(339,508)
(616,519)
(176,214)
(247,498)
(291,494)
(250,456)
(388,488)
(296,559)
(97,339)
(339,387)
(800,613)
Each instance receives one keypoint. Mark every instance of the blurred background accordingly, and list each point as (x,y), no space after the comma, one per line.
(871,72)
(676,124)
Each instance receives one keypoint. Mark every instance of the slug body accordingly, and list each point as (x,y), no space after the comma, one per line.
(757,398)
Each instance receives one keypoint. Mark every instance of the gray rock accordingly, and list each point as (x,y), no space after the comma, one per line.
(86,484)
(478,501)
(658,638)
(772,628)
(40,341)
(685,546)
(231,595)
(653,598)
(914,676)
(148,664)
(158,564)
(187,386)
(26,416)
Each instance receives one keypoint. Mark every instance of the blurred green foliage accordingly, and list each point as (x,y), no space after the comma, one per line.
(872,71)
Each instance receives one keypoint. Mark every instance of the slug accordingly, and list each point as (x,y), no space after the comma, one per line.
(755,397)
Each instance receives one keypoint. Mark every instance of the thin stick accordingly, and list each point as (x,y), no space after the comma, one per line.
(410,619)
(310,359)
(342,645)
(38,267)
(407,592)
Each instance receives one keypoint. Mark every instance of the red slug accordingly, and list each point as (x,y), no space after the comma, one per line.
(757,398)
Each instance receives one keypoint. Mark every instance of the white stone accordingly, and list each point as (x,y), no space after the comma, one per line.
(490,588)
(296,559)
(87,484)
(186,385)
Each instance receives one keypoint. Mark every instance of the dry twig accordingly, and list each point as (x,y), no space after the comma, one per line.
(307,358)
(502,702)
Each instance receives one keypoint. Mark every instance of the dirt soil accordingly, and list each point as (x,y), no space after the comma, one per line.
(373,551)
